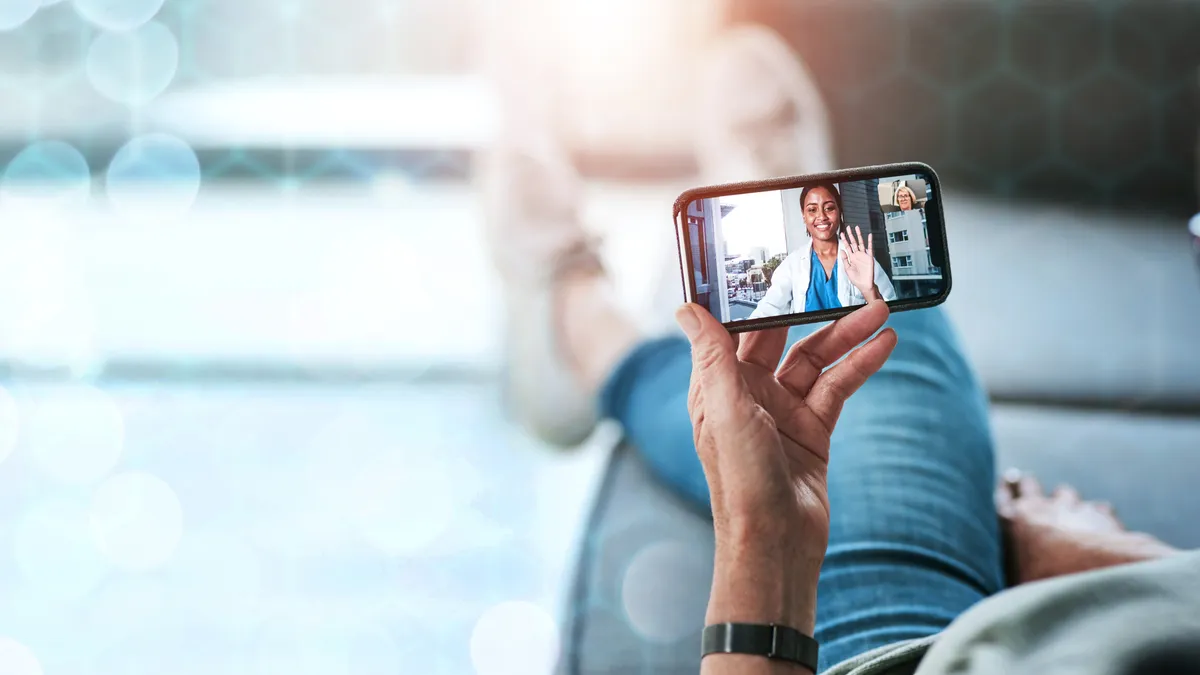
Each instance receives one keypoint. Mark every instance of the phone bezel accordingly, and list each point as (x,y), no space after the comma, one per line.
(935,222)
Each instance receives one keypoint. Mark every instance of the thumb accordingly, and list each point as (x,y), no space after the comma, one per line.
(714,354)
(842,255)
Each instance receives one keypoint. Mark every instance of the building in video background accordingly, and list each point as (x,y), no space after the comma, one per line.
(861,207)
(708,255)
(910,260)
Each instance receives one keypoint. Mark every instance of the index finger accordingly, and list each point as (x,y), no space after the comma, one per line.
(839,383)
(808,358)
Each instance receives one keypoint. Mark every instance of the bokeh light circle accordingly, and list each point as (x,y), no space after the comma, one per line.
(54,552)
(153,176)
(659,590)
(133,67)
(515,638)
(14,13)
(46,173)
(118,15)
(17,659)
(75,433)
(136,520)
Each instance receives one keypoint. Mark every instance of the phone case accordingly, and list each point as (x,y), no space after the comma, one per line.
(937,234)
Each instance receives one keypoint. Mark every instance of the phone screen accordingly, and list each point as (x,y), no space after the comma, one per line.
(815,249)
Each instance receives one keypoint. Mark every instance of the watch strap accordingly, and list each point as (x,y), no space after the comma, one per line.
(768,640)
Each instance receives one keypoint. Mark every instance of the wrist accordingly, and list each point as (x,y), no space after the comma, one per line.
(765,580)
(872,294)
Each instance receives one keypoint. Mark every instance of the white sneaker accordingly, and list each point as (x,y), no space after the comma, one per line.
(760,113)
(532,197)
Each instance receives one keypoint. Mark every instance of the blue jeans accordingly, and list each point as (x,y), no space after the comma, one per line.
(914,539)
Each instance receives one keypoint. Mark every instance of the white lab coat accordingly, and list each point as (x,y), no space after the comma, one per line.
(789,285)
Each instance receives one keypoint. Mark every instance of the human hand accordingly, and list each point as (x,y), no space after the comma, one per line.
(762,432)
(859,261)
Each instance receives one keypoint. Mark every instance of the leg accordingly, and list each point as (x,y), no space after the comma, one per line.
(914,539)
(647,393)
(565,334)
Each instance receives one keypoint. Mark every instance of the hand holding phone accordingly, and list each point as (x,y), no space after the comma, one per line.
(811,248)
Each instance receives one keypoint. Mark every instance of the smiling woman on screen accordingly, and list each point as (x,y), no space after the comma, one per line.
(834,269)
(906,199)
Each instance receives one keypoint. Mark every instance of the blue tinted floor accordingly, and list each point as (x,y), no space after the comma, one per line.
(335,530)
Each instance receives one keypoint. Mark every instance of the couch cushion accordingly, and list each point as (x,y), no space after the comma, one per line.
(642,583)
(641,587)
(1074,306)
(1146,465)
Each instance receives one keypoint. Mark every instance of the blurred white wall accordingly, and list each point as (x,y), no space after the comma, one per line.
(48,76)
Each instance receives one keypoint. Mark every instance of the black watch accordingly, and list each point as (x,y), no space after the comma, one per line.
(771,641)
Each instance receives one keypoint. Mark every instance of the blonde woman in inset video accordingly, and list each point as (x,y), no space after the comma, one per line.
(906,199)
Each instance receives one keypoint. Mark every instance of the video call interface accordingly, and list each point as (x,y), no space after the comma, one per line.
(813,248)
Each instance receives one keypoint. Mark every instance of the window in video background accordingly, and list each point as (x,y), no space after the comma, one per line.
(739,242)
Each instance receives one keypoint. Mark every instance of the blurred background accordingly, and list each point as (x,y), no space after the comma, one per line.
(250,337)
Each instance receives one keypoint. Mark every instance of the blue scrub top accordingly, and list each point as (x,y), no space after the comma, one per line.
(822,292)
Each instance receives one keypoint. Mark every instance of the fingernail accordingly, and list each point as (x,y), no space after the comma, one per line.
(1012,475)
(686,317)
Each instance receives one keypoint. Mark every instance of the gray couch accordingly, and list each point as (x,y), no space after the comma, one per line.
(1077,295)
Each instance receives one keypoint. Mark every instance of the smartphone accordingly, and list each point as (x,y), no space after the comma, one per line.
(790,251)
